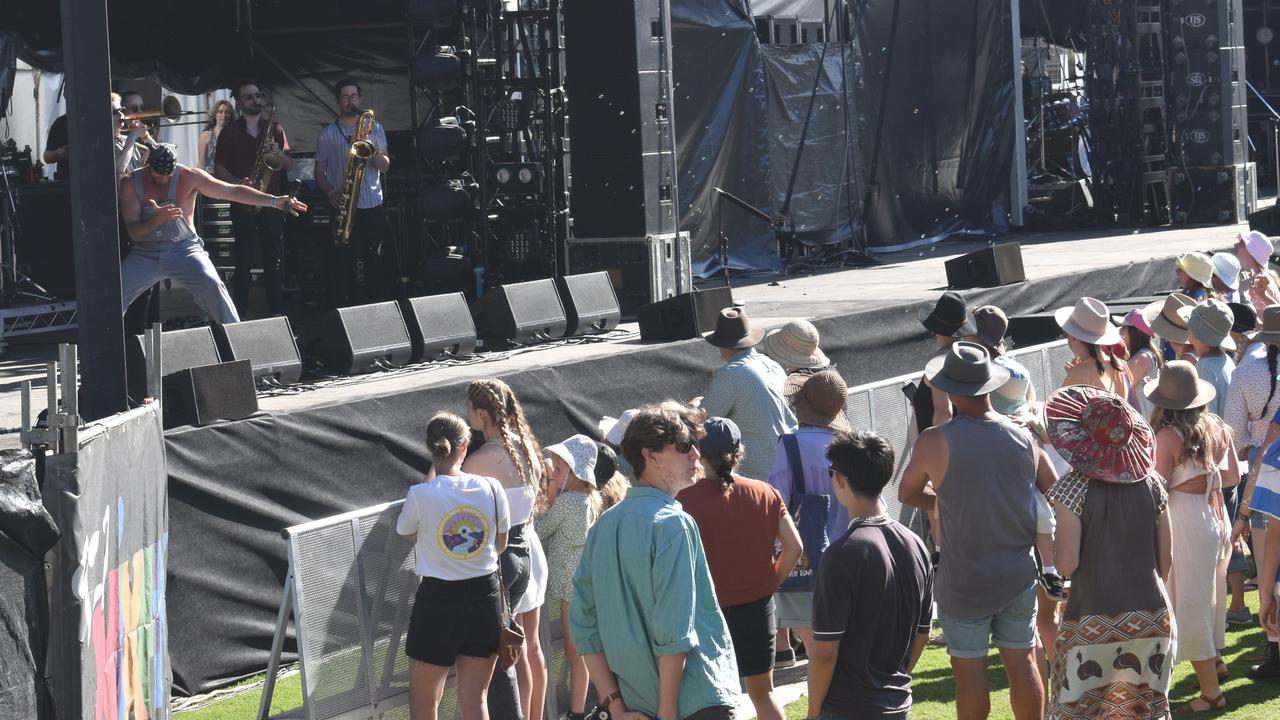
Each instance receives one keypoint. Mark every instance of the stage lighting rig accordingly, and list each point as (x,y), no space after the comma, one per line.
(446,140)
(440,68)
(517,178)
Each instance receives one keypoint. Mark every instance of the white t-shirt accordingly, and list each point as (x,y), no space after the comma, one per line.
(453,518)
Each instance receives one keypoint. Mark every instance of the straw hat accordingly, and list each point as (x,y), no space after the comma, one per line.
(1089,321)
(1198,266)
(949,317)
(1211,322)
(1270,332)
(1168,317)
(1258,246)
(579,453)
(1179,387)
(795,346)
(818,399)
(1100,434)
(1227,269)
(992,324)
(733,330)
(965,369)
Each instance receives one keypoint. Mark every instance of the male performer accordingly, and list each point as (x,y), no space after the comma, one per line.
(357,267)
(234,163)
(158,203)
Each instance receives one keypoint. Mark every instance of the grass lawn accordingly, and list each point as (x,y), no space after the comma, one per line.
(934,689)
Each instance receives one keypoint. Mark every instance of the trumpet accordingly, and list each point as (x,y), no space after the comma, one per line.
(171,110)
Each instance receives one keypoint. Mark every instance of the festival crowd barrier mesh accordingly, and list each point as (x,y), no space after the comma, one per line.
(351,581)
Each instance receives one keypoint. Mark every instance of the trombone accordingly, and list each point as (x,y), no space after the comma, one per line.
(171,110)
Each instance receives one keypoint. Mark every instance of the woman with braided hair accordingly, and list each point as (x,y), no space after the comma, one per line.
(512,455)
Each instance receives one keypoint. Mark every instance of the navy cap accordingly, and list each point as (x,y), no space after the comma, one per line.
(722,436)
(162,159)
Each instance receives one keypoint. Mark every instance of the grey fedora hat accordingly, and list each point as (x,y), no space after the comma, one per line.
(965,369)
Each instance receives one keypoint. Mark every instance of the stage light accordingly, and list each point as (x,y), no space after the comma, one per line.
(447,201)
(513,113)
(437,69)
(443,141)
(518,178)
(439,13)
(503,175)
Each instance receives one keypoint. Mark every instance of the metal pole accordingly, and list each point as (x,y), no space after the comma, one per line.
(1275,146)
(87,59)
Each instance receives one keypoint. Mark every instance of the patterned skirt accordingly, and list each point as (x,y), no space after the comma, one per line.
(1116,666)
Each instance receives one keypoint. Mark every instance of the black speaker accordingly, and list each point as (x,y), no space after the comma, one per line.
(202,394)
(619,82)
(267,344)
(684,316)
(365,338)
(988,267)
(179,350)
(439,325)
(1034,329)
(43,248)
(1266,221)
(1214,195)
(590,304)
(520,314)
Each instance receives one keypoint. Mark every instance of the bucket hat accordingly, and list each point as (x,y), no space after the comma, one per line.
(818,399)
(1211,323)
(1168,317)
(949,317)
(1258,246)
(1088,321)
(1198,266)
(795,346)
(1100,434)
(734,330)
(579,452)
(1179,387)
(965,369)
(1227,269)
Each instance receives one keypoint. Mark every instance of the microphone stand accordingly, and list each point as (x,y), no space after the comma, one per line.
(723,240)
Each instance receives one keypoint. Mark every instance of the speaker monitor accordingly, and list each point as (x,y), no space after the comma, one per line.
(365,338)
(179,350)
(590,304)
(43,248)
(521,313)
(988,267)
(267,344)
(684,316)
(202,394)
(1266,221)
(439,325)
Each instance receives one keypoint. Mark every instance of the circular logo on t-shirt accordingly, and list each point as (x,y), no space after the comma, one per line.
(462,532)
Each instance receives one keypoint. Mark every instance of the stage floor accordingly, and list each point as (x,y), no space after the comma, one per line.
(904,278)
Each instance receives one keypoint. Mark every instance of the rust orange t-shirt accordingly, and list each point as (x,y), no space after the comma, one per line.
(738,529)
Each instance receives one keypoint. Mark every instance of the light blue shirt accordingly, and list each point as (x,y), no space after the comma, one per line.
(331,149)
(748,391)
(1216,370)
(642,590)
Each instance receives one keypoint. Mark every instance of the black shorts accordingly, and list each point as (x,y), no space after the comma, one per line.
(752,627)
(452,618)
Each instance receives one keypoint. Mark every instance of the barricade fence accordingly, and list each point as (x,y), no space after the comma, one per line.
(351,582)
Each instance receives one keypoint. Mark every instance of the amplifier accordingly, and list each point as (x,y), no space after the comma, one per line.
(642,270)
(1212,195)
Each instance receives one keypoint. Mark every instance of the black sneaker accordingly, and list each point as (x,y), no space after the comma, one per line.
(1052,584)
(1269,667)
(784,658)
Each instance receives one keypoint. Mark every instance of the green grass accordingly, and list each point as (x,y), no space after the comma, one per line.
(934,689)
(287,696)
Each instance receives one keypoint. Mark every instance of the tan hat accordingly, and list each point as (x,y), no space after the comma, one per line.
(1211,322)
(1179,387)
(1270,332)
(794,346)
(1198,266)
(1168,317)
(1089,321)
(818,399)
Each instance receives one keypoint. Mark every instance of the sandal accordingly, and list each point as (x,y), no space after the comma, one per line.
(1223,671)
(1214,705)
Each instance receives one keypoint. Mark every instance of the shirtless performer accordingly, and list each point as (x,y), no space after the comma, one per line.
(157,203)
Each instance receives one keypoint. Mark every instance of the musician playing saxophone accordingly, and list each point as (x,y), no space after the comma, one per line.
(358,265)
(255,230)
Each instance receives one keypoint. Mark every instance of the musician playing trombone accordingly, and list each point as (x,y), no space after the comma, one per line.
(357,267)
(240,147)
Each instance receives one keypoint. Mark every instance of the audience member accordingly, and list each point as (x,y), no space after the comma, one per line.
(611,484)
(874,603)
(739,520)
(748,390)
(612,429)
(1194,274)
(1210,327)
(1168,319)
(794,346)
(1260,282)
(1091,337)
(949,321)
(1226,276)
(1145,359)
(1244,325)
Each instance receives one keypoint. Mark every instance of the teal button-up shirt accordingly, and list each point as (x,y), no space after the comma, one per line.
(643,590)
(748,391)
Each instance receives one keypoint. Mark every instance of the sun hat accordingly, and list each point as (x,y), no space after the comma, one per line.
(1011,397)
(612,429)
(1088,321)
(1168,317)
(965,369)
(1244,317)
(1258,246)
(579,452)
(1179,387)
(1198,266)
(722,435)
(1270,332)
(1227,269)
(1135,319)
(1100,435)
(733,330)
(949,317)
(818,399)
(795,346)
(1211,322)
(992,324)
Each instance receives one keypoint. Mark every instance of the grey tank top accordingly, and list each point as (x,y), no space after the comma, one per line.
(172,231)
(987,510)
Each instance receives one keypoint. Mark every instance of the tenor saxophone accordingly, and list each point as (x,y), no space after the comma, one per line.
(352,180)
(265,164)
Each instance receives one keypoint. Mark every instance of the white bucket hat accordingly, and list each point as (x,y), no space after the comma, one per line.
(579,452)
(1227,269)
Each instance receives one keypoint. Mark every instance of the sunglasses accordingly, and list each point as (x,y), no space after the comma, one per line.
(683,445)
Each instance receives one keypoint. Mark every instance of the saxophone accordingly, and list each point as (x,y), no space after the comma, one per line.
(352,180)
(265,164)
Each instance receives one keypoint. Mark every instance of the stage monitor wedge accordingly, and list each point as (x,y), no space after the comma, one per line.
(520,314)
(365,338)
(439,326)
(206,393)
(989,267)
(179,350)
(684,316)
(267,344)
(590,304)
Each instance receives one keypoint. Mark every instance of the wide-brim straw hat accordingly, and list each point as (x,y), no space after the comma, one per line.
(794,346)
(1168,317)
(1211,322)
(818,399)
(1270,332)
(965,369)
(1179,387)
(579,453)
(949,317)
(1198,267)
(734,330)
(1088,321)
(1100,434)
